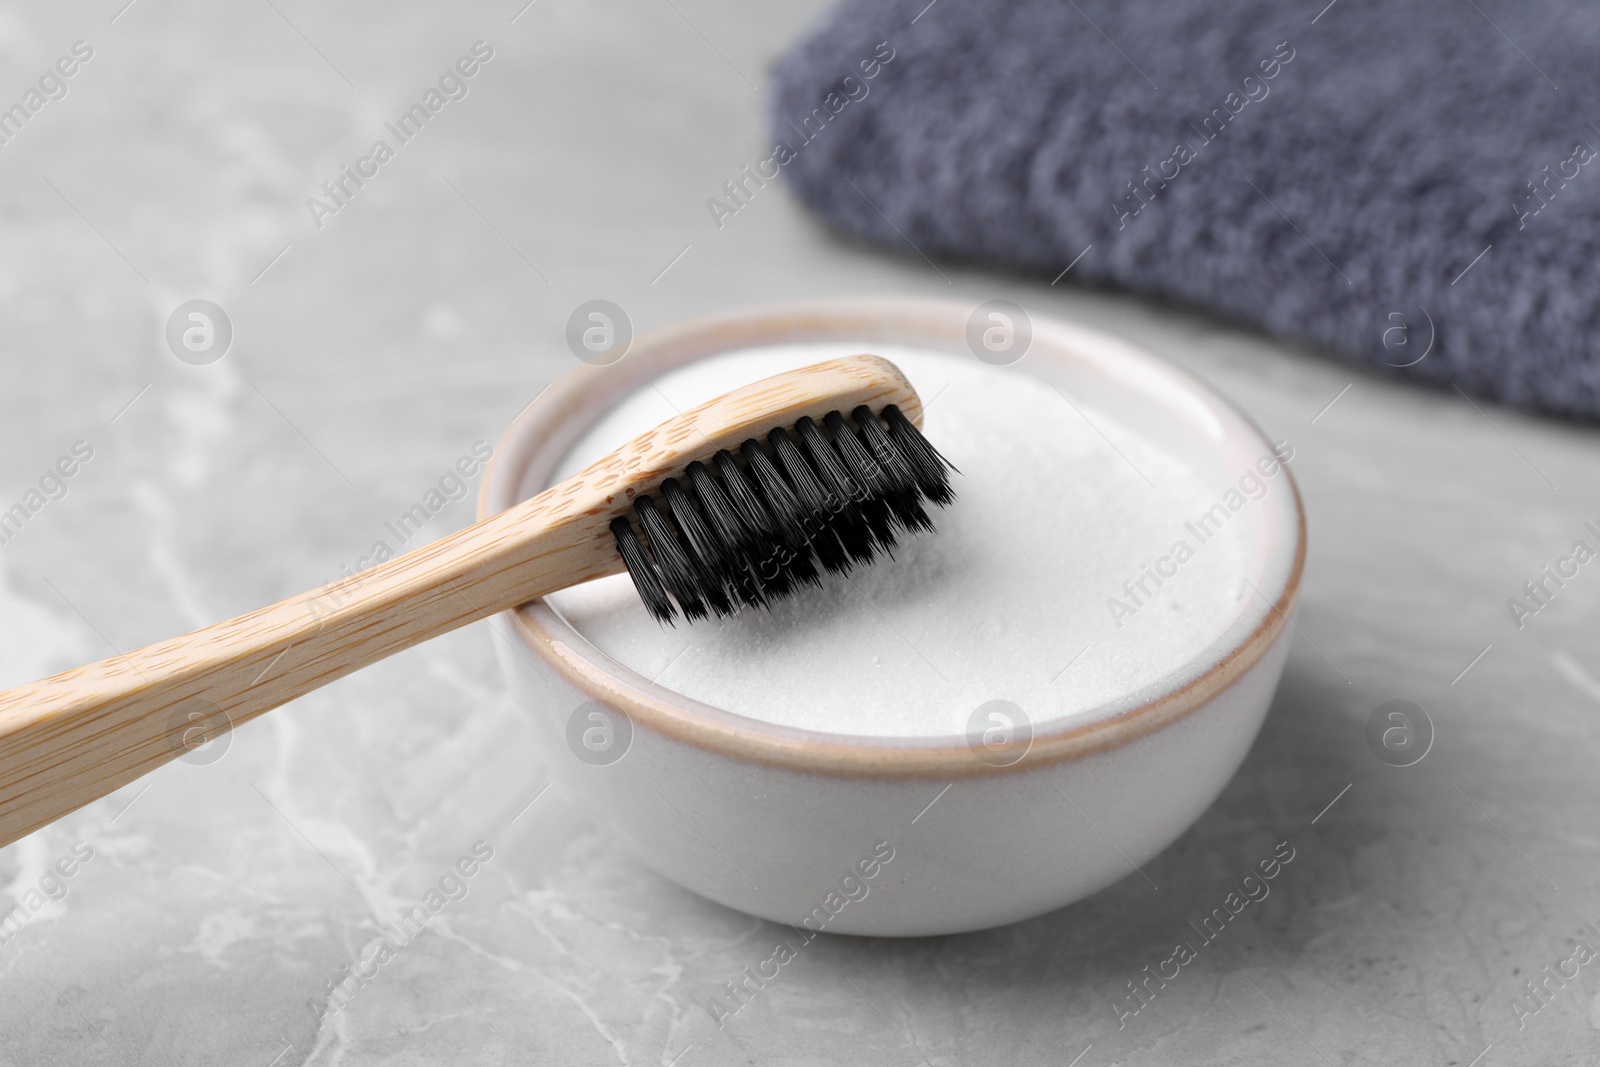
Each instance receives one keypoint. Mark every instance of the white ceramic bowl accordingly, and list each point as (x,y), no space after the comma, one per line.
(834,832)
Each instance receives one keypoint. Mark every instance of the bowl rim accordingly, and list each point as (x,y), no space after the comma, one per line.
(539,629)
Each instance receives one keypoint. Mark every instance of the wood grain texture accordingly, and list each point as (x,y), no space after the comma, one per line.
(74,737)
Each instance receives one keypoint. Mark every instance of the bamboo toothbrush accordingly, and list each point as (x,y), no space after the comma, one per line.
(740,500)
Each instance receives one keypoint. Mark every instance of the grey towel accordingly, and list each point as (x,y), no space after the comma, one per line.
(1410,183)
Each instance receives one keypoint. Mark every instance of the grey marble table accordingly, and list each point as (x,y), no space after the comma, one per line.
(210,905)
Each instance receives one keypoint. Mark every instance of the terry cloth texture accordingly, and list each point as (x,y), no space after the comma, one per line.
(1373,177)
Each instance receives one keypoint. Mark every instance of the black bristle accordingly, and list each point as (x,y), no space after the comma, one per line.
(704,554)
(778,573)
(643,572)
(727,528)
(676,570)
(902,494)
(930,468)
(794,543)
(849,519)
(754,531)
(817,505)
(876,486)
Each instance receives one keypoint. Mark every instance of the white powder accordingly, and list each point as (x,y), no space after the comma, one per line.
(1048,523)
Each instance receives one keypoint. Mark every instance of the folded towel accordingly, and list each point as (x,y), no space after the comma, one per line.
(1412,184)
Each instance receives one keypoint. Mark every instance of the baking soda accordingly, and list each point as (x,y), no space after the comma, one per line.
(1060,510)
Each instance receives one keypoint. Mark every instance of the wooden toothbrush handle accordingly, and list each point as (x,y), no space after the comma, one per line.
(74,737)
(77,736)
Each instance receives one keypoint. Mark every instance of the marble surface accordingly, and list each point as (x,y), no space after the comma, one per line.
(370,354)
